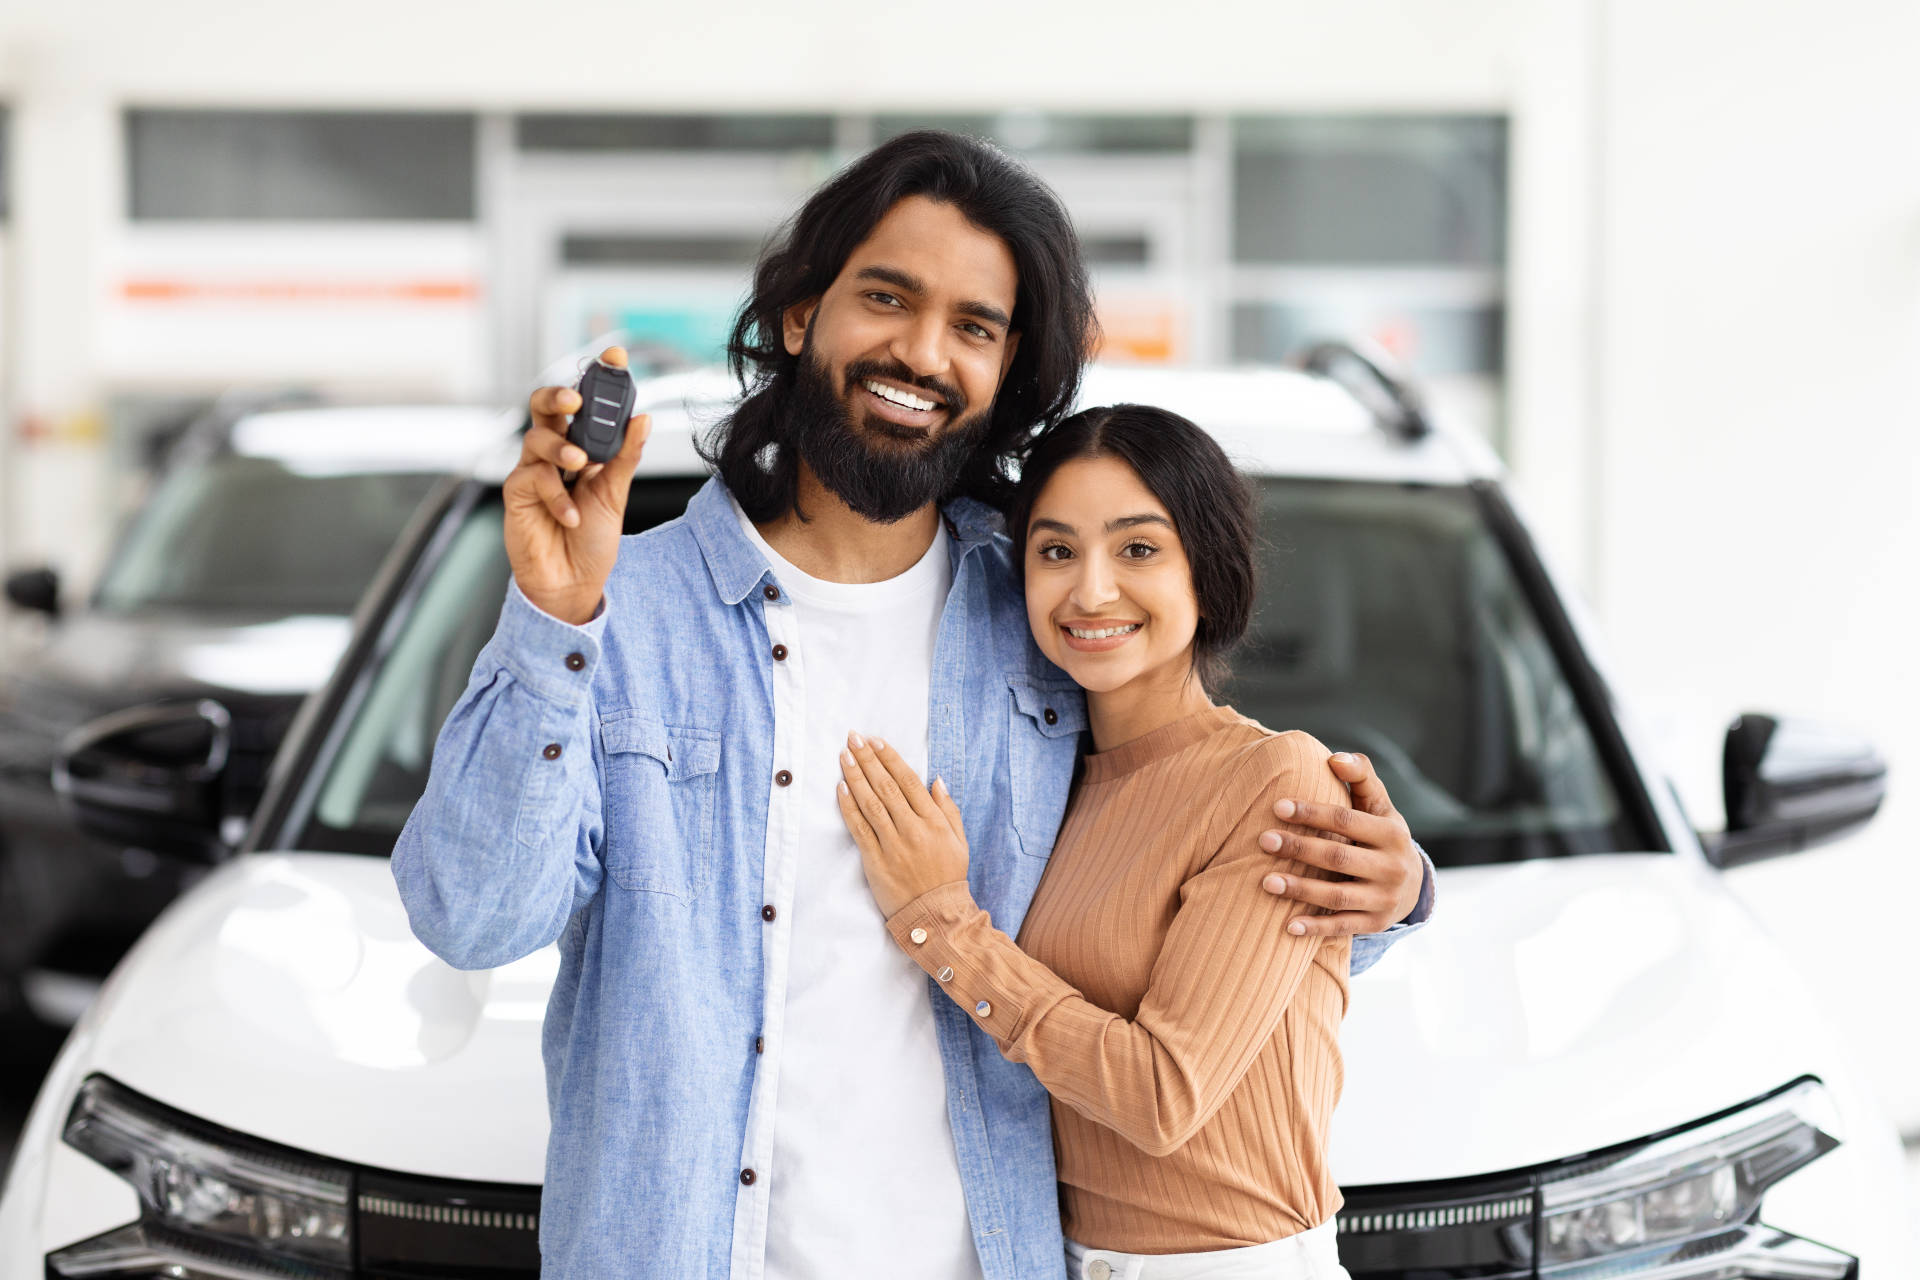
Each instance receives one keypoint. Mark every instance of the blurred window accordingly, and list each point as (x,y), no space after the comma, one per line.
(1440,339)
(296,165)
(249,535)
(572,132)
(1390,621)
(1370,191)
(372,782)
(1043,131)
(640,250)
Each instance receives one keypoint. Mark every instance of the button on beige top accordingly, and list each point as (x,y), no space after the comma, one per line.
(1191,1044)
(919,936)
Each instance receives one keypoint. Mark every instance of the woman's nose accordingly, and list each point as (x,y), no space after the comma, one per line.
(1094,588)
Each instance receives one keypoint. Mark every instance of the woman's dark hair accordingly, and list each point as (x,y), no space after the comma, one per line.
(1052,312)
(1210,501)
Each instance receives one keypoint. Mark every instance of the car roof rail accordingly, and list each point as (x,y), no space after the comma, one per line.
(1371,376)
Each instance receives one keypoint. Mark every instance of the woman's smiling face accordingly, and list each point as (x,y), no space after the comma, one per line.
(1109,593)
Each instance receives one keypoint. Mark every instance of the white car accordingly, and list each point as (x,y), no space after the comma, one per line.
(1592,1062)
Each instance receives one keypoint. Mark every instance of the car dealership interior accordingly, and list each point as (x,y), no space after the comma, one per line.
(269,275)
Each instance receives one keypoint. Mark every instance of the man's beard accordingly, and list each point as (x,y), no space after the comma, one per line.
(882,471)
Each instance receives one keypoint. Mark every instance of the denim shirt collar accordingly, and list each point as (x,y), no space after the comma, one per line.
(737,566)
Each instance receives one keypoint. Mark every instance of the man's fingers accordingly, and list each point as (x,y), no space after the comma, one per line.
(1359,827)
(905,778)
(615,356)
(621,468)
(857,824)
(549,492)
(1369,793)
(1334,926)
(1328,855)
(870,805)
(550,406)
(1350,896)
(542,445)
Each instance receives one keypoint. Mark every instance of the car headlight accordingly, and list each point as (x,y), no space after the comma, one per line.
(1679,1206)
(211,1203)
(1697,1183)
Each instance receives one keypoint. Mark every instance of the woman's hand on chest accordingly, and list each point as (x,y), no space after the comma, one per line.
(910,838)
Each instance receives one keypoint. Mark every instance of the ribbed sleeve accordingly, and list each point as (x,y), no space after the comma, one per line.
(1188,1040)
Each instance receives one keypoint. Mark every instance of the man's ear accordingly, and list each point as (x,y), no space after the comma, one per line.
(793,324)
(1006,356)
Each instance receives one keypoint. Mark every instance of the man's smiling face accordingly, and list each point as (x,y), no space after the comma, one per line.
(901,358)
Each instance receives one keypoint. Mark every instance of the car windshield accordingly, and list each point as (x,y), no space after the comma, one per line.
(1390,622)
(249,534)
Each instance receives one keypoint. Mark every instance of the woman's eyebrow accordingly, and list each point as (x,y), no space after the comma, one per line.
(1129,522)
(1052,526)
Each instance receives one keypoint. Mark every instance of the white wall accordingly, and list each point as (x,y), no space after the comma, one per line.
(1759,533)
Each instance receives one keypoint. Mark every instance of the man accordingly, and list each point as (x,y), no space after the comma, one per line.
(745,1077)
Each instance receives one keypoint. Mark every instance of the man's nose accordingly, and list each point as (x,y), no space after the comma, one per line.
(921,346)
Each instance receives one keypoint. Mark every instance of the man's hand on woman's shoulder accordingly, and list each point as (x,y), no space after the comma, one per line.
(1378,869)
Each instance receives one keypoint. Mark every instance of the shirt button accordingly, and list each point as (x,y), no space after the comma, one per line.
(779,653)
(783,778)
(946,974)
(575,661)
(1099,1269)
(767,913)
(919,936)
(746,1176)
(1049,716)
(759,1044)
(551,751)
(983,1008)
(771,592)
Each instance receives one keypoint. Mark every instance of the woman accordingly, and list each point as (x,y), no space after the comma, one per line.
(1189,1039)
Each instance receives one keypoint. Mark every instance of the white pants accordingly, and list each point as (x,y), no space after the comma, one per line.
(1309,1255)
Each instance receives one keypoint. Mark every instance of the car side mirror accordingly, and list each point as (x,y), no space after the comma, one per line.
(37,589)
(1790,785)
(151,777)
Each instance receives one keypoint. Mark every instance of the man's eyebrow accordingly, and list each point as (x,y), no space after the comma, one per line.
(908,283)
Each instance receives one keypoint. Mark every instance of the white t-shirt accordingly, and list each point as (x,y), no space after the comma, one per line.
(862,1182)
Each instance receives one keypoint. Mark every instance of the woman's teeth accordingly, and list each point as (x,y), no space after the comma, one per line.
(1103,633)
(905,399)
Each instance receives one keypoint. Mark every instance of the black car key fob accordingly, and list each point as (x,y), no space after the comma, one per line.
(606,403)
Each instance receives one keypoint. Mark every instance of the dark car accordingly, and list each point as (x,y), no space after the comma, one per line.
(234,581)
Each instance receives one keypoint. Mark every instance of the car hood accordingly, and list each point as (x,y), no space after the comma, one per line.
(286,997)
(128,658)
(1552,1008)
(1557,1006)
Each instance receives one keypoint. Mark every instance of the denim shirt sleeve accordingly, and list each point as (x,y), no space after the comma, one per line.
(504,845)
(1369,947)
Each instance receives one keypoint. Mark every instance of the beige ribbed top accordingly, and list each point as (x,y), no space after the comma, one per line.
(1191,1044)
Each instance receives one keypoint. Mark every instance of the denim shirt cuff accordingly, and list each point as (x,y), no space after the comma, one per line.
(553,659)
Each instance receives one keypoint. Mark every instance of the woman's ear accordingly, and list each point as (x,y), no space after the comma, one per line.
(793,324)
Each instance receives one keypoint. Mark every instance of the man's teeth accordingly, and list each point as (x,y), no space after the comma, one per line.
(1103,633)
(905,399)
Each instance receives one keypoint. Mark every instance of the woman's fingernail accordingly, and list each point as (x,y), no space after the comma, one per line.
(843,787)
(856,740)
(939,784)
(846,758)
(1284,809)
(879,744)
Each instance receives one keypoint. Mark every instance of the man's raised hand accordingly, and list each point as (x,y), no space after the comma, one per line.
(560,542)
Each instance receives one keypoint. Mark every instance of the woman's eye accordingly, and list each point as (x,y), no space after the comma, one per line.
(1138,550)
(1049,551)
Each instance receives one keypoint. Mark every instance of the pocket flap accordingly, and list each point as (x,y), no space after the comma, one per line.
(684,751)
(1035,699)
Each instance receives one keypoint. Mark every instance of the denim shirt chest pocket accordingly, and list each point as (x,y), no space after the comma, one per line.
(1043,744)
(660,786)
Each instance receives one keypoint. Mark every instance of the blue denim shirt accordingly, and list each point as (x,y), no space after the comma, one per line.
(606,786)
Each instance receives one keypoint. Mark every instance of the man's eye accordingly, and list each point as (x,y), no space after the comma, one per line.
(978,331)
(885,298)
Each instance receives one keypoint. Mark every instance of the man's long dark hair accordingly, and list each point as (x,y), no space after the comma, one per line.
(1052,312)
